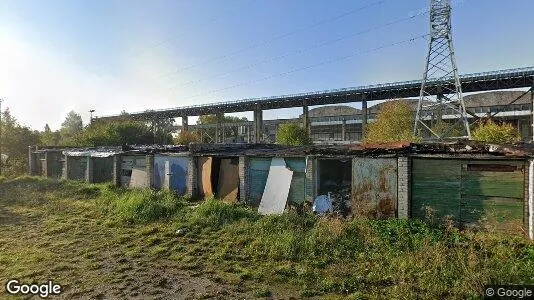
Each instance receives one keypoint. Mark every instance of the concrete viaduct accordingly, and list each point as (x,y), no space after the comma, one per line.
(478,82)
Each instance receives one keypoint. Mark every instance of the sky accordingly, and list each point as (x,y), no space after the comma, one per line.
(132,55)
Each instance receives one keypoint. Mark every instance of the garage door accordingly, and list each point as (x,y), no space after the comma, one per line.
(469,191)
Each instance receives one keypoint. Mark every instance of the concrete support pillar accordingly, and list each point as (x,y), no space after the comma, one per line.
(532,107)
(364,117)
(249,133)
(403,187)
(223,138)
(311,179)
(218,121)
(243,179)
(45,166)
(306,118)
(150,170)
(343,129)
(185,123)
(89,170)
(258,125)
(117,169)
(192,178)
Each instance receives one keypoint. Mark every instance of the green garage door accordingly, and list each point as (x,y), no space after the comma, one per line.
(258,170)
(469,191)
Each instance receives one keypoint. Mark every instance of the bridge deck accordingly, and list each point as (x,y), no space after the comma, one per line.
(487,81)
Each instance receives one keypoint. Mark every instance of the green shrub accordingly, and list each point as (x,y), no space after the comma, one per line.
(292,134)
(491,132)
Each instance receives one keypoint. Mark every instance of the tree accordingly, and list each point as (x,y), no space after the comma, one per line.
(49,137)
(394,123)
(115,133)
(15,142)
(292,134)
(491,132)
(72,126)
(161,130)
(187,137)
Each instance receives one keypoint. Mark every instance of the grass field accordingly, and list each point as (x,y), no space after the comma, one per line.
(103,242)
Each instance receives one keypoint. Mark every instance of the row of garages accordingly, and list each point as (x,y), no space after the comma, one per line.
(491,189)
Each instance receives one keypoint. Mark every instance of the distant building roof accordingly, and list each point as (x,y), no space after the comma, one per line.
(336,110)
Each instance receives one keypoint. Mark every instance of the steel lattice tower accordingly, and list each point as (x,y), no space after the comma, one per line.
(441,78)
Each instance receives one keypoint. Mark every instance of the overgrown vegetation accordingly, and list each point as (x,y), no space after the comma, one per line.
(292,134)
(394,123)
(294,255)
(491,132)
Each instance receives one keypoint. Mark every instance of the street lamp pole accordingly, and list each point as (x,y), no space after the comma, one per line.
(91,117)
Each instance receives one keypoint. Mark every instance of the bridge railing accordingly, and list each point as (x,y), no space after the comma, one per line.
(519,72)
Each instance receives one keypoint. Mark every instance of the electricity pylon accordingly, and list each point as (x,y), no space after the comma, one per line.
(441,91)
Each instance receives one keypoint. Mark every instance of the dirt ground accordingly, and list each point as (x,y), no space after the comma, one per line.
(69,242)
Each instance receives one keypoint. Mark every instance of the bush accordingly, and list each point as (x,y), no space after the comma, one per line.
(491,132)
(292,134)
(187,137)
(394,123)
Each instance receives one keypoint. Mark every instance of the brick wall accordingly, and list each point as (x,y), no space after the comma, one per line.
(192,178)
(403,187)
(243,179)
(311,179)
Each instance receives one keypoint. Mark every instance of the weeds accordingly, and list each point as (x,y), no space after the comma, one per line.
(357,258)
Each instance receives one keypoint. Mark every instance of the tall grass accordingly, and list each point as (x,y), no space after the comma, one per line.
(376,258)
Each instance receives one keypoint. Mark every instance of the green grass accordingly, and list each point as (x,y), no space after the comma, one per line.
(85,229)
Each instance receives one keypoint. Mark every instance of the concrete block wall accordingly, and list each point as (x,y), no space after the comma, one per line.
(150,170)
(311,179)
(192,179)
(66,167)
(32,157)
(117,169)
(243,179)
(403,187)
(89,170)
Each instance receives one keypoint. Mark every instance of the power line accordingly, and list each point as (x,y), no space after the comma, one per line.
(213,19)
(279,37)
(303,50)
(341,58)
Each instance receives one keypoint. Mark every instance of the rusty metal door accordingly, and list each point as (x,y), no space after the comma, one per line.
(375,186)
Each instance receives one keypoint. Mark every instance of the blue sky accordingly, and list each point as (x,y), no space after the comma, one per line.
(110,56)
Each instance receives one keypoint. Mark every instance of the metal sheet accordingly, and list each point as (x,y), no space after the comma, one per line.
(375,185)
(469,192)
(176,179)
(228,180)
(77,166)
(129,162)
(102,169)
(493,191)
(274,198)
(257,178)
(138,179)
(204,177)
(436,187)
